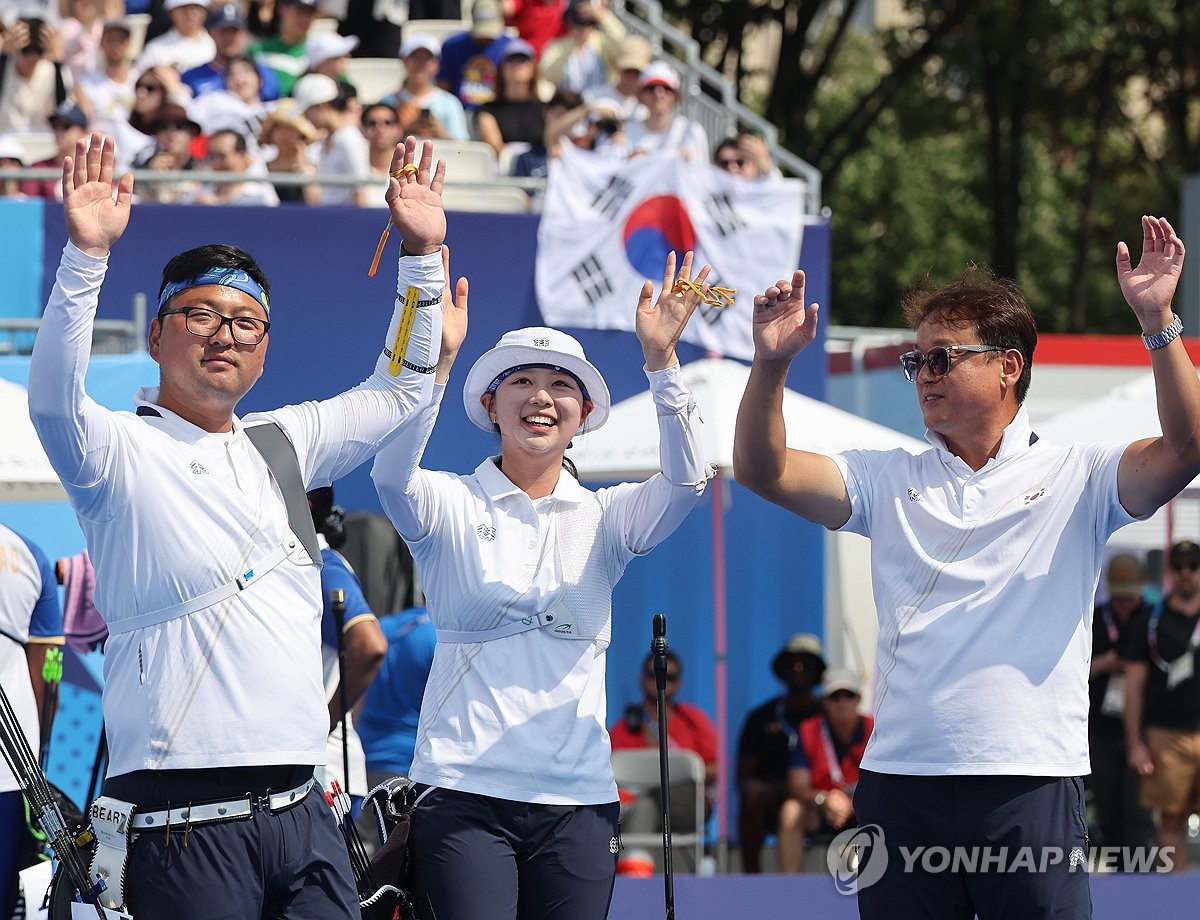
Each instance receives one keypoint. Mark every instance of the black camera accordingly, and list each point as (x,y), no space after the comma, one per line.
(607,125)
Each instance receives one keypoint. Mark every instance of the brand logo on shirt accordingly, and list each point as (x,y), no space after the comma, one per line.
(612,845)
(198,468)
(1032,497)
(486,532)
(563,628)
(914,495)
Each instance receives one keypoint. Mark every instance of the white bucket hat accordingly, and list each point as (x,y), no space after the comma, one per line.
(531,346)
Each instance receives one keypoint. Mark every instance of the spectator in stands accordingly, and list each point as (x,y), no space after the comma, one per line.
(288,133)
(632,57)
(537,21)
(767,739)
(69,124)
(377,24)
(12,156)
(328,53)
(229,152)
(238,106)
(688,727)
(33,81)
(1162,702)
(173,133)
(471,59)
(596,126)
(824,768)
(515,115)
(383,131)
(106,94)
(663,130)
(434,111)
(81,33)
(560,115)
(579,60)
(186,44)
(231,40)
(391,709)
(344,150)
(285,53)
(745,155)
(1116,787)
(153,90)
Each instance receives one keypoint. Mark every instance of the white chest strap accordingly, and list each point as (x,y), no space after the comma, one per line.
(558,624)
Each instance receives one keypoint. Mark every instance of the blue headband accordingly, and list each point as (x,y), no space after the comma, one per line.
(227,277)
(500,378)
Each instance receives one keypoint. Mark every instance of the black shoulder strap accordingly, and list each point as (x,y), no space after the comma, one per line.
(277,449)
(60,87)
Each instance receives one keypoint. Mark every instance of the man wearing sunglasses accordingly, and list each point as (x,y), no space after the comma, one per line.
(207,564)
(986,553)
(1162,702)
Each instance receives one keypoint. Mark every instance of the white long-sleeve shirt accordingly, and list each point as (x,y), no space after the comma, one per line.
(522,717)
(171,511)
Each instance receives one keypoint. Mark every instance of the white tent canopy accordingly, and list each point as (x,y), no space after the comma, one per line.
(25,473)
(1128,413)
(627,446)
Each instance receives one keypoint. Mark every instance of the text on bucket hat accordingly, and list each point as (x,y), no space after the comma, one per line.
(841,679)
(659,74)
(324,46)
(535,346)
(417,42)
(1125,576)
(314,89)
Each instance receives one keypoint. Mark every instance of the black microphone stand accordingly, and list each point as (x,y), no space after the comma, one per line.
(658,648)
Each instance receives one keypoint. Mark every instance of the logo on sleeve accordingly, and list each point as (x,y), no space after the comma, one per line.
(198,468)
(485,532)
(1030,497)
(914,495)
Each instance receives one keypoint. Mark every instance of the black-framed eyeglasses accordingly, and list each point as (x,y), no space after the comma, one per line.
(939,358)
(246,330)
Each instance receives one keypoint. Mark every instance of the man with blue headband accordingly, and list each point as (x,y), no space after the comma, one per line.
(207,566)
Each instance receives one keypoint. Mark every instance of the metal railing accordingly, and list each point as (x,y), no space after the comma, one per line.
(710,98)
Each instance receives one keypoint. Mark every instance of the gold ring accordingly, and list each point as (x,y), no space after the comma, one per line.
(403,170)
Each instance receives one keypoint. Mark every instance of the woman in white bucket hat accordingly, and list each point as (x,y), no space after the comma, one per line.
(518,562)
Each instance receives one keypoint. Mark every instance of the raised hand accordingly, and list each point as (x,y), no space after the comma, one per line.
(659,324)
(95,220)
(1149,287)
(782,326)
(414,196)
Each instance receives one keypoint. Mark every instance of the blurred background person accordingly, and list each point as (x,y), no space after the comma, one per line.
(81,31)
(69,125)
(106,93)
(745,155)
(632,56)
(231,41)
(391,709)
(515,115)
(471,60)
(663,130)
(229,152)
(344,150)
(1116,788)
(173,133)
(186,44)
(33,80)
(12,156)
(767,739)
(579,60)
(537,21)
(435,112)
(239,106)
(381,127)
(284,53)
(328,53)
(284,141)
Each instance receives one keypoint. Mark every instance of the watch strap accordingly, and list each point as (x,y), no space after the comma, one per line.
(1168,335)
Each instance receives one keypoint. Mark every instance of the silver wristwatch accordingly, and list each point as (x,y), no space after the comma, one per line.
(1168,335)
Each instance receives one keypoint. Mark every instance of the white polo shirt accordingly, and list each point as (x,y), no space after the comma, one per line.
(171,511)
(522,717)
(983,584)
(29,614)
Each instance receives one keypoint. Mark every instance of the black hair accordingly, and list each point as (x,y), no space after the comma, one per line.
(239,139)
(368,109)
(328,519)
(345,93)
(193,262)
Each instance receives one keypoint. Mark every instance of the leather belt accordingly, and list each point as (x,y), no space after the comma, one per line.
(227,810)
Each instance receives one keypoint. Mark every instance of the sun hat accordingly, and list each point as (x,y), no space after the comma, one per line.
(841,679)
(535,345)
(288,113)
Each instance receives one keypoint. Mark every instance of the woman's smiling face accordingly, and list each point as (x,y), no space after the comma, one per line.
(538,408)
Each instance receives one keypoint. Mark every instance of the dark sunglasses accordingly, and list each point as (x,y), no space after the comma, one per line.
(380,122)
(938,358)
(1185,566)
(726,163)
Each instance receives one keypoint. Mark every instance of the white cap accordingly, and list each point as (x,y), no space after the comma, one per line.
(659,74)
(175,4)
(532,346)
(836,679)
(313,89)
(420,40)
(11,149)
(322,46)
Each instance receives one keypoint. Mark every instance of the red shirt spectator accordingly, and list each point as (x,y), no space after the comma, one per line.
(537,21)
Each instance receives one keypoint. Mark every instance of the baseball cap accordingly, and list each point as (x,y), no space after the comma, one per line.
(487,20)
(659,74)
(1125,576)
(11,149)
(119,24)
(634,53)
(307,4)
(1185,551)
(70,113)
(518,47)
(175,4)
(324,46)
(418,41)
(841,679)
(228,14)
(313,89)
